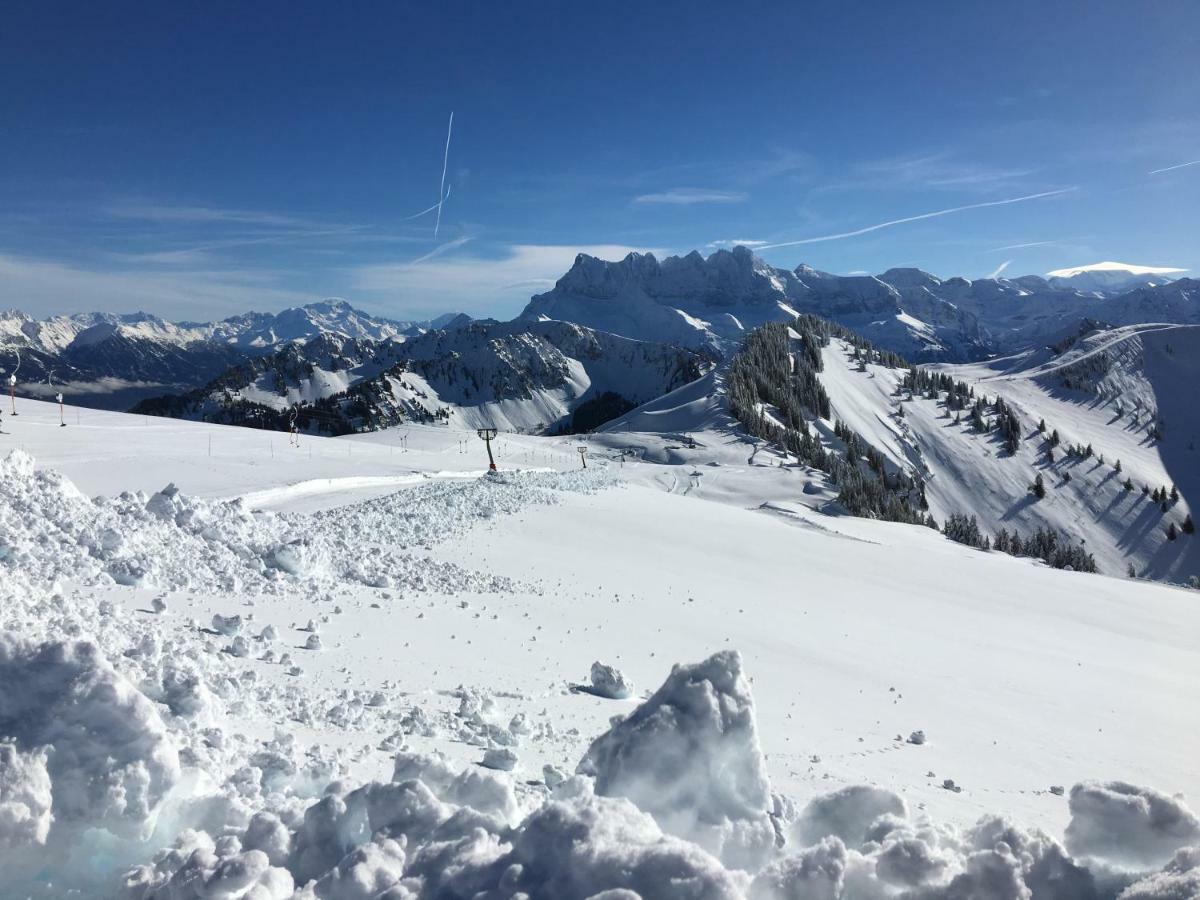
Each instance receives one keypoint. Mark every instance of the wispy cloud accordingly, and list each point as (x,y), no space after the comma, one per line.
(49,287)
(198,215)
(1000,268)
(690,196)
(1195,162)
(476,284)
(735,242)
(929,215)
(937,170)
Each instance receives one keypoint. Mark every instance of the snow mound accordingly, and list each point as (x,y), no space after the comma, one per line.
(1179,880)
(1127,824)
(69,717)
(690,757)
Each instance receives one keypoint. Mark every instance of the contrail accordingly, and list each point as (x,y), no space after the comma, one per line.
(1022,246)
(423,212)
(1194,162)
(445,164)
(928,215)
(1000,268)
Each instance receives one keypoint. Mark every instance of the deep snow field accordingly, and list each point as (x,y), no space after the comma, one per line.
(361,668)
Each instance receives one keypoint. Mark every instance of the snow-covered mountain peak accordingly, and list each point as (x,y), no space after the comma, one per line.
(1110,276)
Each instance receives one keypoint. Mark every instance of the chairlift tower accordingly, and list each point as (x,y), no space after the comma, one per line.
(487,435)
(583,455)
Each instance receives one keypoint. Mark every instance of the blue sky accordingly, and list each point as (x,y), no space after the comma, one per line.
(198,160)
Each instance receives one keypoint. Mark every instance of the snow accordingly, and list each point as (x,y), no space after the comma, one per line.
(146,753)
(1114,267)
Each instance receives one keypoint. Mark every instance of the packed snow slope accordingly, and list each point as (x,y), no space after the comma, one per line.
(209,698)
(713,302)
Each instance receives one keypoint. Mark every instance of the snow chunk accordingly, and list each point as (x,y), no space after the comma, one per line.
(1127,824)
(25,798)
(608,681)
(690,757)
(500,758)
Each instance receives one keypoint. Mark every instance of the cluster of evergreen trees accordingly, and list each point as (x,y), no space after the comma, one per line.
(932,385)
(769,372)
(1047,546)
(1043,544)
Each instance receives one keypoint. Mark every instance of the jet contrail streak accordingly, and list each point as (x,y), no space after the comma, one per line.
(1194,162)
(423,212)
(928,215)
(445,164)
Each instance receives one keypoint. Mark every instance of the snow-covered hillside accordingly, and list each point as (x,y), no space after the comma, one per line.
(532,377)
(969,472)
(204,700)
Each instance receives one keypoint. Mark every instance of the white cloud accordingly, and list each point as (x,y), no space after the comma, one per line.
(474,284)
(690,196)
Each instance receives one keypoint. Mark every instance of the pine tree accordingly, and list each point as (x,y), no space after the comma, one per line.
(1171,534)
(1128,485)
(1117,467)
(1189,527)
(1042,427)
(1174,494)
(1039,486)
(1131,571)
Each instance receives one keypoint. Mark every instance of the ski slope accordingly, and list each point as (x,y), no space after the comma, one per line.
(423,609)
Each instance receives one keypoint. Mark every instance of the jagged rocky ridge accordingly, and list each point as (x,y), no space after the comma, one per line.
(713,302)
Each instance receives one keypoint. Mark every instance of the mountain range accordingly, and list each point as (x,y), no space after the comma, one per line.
(699,302)
(111,361)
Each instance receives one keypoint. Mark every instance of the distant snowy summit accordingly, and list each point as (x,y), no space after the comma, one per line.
(1105,277)
(118,359)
